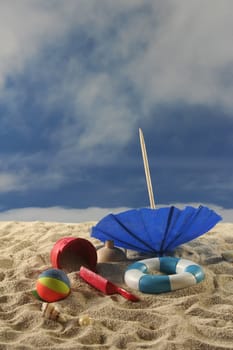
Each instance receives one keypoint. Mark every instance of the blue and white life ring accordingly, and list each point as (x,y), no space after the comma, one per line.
(180,273)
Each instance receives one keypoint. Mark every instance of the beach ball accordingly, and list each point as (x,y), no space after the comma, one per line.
(53,285)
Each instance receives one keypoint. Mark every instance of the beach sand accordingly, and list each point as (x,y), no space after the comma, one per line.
(198,317)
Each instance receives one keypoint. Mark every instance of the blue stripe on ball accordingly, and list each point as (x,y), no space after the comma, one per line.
(57,274)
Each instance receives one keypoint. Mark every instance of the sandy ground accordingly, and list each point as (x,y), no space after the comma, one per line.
(198,317)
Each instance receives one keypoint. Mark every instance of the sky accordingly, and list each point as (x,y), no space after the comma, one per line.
(78,78)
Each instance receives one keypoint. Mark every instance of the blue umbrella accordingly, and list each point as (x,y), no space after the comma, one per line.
(151,230)
(155,231)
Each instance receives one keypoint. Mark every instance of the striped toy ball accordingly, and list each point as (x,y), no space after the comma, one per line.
(53,285)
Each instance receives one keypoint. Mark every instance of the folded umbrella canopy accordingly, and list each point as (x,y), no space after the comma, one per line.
(155,231)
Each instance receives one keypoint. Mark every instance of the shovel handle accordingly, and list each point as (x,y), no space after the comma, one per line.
(127,294)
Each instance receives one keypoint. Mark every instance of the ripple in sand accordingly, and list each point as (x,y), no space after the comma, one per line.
(25,322)
(197,344)
(8,335)
(211,313)
(6,263)
(92,336)
(225,283)
(214,332)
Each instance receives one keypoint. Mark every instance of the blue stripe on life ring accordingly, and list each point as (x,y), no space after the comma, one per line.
(180,273)
(154,284)
(196,271)
(168,265)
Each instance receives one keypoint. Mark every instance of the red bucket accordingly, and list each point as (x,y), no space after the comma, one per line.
(70,253)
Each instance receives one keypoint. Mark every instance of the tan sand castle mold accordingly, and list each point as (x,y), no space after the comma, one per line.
(199,317)
(109,252)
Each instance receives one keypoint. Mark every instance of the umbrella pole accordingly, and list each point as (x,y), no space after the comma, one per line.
(147,170)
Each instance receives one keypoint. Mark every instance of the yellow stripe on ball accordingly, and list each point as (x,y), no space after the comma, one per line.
(55,284)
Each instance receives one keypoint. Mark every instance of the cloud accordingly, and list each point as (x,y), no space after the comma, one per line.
(10,182)
(25,27)
(101,121)
(164,54)
(57,214)
(173,51)
(60,214)
(33,53)
(77,80)
(188,56)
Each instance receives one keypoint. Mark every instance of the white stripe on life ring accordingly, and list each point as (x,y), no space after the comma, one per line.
(180,273)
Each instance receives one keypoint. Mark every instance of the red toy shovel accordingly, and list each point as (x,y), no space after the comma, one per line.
(104,285)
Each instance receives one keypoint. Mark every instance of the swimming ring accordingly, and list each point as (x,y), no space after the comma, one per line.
(180,273)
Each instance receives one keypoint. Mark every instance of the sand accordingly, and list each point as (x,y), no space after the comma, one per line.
(198,317)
